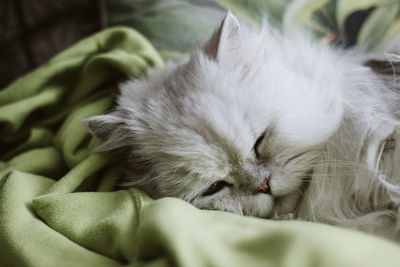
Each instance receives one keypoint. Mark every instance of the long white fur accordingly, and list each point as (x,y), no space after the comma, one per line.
(195,123)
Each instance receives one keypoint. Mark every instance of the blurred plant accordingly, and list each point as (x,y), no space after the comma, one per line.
(368,24)
(175,26)
(172,26)
(255,10)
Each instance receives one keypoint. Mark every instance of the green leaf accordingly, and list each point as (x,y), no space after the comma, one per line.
(256,10)
(300,13)
(326,16)
(376,25)
(391,33)
(345,7)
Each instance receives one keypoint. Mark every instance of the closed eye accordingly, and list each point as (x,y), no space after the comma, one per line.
(214,188)
(257,144)
(295,157)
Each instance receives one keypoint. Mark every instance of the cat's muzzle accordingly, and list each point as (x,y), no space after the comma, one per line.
(264,187)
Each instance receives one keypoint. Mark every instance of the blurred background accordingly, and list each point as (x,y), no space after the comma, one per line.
(31,32)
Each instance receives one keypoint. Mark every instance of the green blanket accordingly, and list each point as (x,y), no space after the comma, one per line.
(59,207)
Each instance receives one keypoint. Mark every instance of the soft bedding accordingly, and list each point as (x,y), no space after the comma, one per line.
(59,205)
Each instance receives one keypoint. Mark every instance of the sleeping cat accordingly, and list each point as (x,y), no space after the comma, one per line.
(261,124)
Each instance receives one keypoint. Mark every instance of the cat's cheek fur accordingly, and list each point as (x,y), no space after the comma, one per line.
(281,186)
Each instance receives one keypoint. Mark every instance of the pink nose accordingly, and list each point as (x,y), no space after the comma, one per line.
(263,188)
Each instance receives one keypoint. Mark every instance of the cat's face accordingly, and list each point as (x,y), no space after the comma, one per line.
(219,131)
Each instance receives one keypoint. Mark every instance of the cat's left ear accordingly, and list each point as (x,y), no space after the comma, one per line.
(226,45)
(110,128)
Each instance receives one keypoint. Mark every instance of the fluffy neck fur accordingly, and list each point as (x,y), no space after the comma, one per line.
(355,181)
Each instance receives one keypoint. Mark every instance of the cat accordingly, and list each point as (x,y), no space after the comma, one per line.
(264,124)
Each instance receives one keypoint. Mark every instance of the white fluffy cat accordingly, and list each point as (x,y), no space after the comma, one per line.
(261,124)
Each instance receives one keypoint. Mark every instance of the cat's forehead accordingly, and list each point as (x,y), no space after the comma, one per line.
(305,107)
(229,109)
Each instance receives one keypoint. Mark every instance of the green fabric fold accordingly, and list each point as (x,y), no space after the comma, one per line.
(58,200)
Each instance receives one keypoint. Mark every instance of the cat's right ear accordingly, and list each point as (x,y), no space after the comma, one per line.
(225,45)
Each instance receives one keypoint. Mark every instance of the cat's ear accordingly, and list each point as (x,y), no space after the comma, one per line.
(226,44)
(102,126)
(110,128)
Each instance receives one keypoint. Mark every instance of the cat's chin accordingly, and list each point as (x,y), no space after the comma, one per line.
(260,205)
(286,204)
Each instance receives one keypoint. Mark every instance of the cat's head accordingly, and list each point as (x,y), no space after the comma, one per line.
(230,129)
